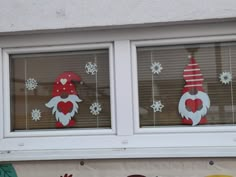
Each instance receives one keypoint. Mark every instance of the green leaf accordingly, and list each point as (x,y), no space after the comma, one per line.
(7,170)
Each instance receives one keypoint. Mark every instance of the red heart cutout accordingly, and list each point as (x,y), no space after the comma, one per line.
(65,107)
(193,105)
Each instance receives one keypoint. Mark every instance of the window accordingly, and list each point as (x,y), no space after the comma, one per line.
(126,93)
(58,90)
(161,69)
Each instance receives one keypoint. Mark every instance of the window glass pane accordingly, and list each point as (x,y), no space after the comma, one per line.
(177,90)
(60,90)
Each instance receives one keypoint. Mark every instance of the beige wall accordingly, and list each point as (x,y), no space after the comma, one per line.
(197,167)
(35,15)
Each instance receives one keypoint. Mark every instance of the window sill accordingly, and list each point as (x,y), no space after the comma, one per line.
(118,153)
(113,146)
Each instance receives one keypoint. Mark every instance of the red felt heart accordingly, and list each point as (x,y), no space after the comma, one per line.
(193,105)
(65,107)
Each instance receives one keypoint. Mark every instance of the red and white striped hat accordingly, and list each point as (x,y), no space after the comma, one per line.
(193,76)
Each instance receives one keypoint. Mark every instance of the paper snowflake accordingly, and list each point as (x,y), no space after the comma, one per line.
(36,114)
(225,77)
(31,84)
(91,68)
(95,108)
(156,68)
(157,106)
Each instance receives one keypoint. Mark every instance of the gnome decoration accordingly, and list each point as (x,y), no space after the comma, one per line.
(194,102)
(64,102)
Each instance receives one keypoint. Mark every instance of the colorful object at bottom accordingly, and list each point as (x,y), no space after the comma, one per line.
(7,170)
(66,175)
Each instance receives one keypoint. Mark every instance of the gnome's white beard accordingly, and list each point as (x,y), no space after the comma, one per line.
(196,116)
(64,118)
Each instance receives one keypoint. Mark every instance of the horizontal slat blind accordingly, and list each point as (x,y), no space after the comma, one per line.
(213,59)
(45,68)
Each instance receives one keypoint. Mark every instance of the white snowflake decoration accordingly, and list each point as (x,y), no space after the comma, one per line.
(31,84)
(157,106)
(91,68)
(95,108)
(225,77)
(36,114)
(156,68)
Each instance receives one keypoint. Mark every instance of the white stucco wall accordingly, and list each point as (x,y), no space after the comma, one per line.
(23,15)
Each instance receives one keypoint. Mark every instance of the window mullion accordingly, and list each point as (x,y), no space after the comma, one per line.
(1,96)
(123,87)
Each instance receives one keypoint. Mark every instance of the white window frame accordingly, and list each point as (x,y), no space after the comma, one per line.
(6,90)
(169,42)
(126,139)
(216,140)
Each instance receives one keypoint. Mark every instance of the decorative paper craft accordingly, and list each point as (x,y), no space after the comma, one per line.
(36,114)
(156,68)
(194,102)
(95,108)
(157,106)
(225,77)
(31,84)
(7,170)
(91,68)
(66,175)
(64,102)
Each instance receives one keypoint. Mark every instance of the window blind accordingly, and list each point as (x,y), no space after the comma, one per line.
(44,68)
(212,59)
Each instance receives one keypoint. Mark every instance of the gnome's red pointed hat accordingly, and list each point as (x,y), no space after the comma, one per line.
(193,76)
(64,84)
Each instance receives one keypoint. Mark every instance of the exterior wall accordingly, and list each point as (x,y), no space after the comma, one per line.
(33,15)
(127,167)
